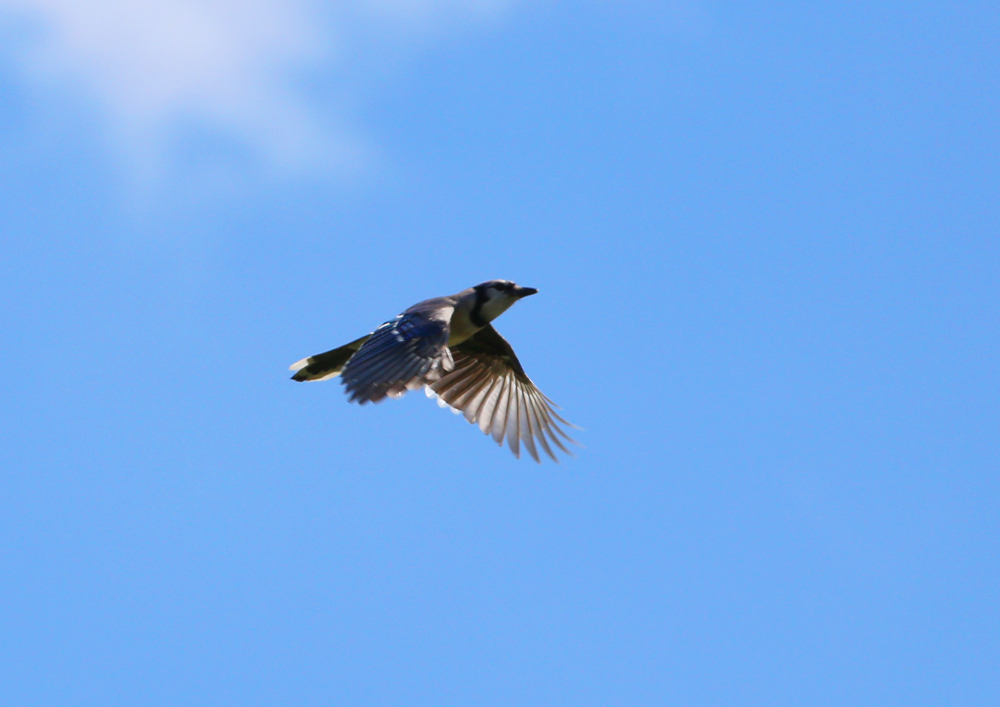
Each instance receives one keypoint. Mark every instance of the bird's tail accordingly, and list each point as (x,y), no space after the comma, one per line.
(326,365)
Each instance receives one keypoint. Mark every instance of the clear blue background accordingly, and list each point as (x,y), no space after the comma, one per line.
(766,241)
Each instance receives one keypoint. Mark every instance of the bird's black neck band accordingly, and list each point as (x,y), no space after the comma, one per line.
(476,315)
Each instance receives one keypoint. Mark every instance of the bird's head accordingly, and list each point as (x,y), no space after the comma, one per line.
(495,297)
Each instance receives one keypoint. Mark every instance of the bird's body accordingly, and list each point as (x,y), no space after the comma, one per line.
(448,346)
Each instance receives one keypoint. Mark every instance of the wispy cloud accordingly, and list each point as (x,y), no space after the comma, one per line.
(158,68)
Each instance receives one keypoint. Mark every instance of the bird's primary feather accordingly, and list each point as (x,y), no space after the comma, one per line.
(489,386)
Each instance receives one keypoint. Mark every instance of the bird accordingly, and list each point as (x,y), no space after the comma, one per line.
(448,346)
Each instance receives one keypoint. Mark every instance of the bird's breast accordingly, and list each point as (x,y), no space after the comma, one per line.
(461,328)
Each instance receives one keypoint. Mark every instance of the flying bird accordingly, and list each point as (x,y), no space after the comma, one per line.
(447,346)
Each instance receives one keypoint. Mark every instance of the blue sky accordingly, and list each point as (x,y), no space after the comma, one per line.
(765,239)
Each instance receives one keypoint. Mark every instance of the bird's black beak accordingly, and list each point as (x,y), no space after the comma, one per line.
(526,291)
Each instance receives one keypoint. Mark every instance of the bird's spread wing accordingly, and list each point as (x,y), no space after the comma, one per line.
(403,354)
(490,388)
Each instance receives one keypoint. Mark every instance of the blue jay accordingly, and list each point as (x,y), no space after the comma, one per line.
(447,346)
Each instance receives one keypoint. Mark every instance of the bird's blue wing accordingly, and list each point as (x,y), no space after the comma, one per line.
(401,355)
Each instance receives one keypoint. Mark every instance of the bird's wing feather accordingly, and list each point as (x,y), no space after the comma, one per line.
(405,353)
(489,386)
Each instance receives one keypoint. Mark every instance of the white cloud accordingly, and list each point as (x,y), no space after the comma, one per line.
(158,67)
